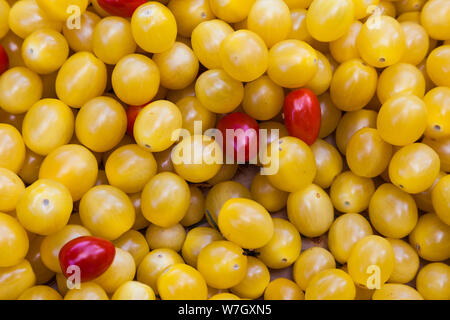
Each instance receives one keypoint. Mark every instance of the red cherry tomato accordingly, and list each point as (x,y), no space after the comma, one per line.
(91,254)
(242,145)
(4,60)
(302,115)
(122,8)
(132,112)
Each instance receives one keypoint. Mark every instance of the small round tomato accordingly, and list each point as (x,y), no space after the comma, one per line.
(12,148)
(240,134)
(58,9)
(196,209)
(134,243)
(330,115)
(81,39)
(231,10)
(189,14)
(283,289)
(441,199)
(40,293)
(395,291)
(122,8)
(331,284)
(87,291)
(16,279)
(255,281)
(91,255)
(267,195)
(222,264)
(437,101)
(171,238)
(302,115)
(406,262)
(133,290)
(196,240)
(434,18)
(4,13)
(192,112)
(433,281)
(14,242)
(329,163)
(11,189)
(438,66)
(4,60)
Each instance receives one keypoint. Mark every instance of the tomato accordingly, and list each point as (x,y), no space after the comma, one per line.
(395,291)
(4,60)
(133,290)
(91,254)
(122,8)
(245,135)
(13,241)
(40,293)
(302,115)
(87,291)
(331,284)
(132,112)
(283,289)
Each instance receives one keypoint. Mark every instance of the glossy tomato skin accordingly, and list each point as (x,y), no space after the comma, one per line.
(4,60)
(302,115)
(242,142)
(92,255)
(132,112)
(122,8)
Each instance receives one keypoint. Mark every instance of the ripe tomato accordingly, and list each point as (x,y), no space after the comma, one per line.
(132,112)
(91,254)
(302,115)
(243,141)
(122,8)
(4,60)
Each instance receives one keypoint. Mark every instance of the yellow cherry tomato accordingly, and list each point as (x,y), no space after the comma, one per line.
(107,212)
(294,161)
(255,281)
(351,193)
(197,158)
(438,66)
(81,78)
(27,16)
(267,195)
(283,289)
(218,91)
(431,238)
(133,290)
(441,199)
(206,40)
(350,123)
(165,199)
(48,125)
(292,63)
(120,271)
(171,238)
(52,244)
(437,102)
(134,243)
(299,30)
(434,18)
(402,119)
(243,55)
(331,284)
(156,124)
(392,212)
(394,291)
(246,223)
(368,155)
(310,210)
(140,221)
(14,280)
(40,293)
(196,209)
(45,207)
(72,165)
(414,168)
(60,9)
(196,240)
(11,189)
(231,10)
(222,264)
(400,78)
(189,14)
(13,242)
(329,20)
(345,231)
(330,115)
(311,262)
(363,7)
(406,262)
(371,251)
(112,39)
(328,162)
(353,85)
(135,79)
(153,265)
(412,16)
(433,281)
(20,88)
(263,98)
(284,247)
(44,51)
(381,41)
(423,199)
(12,148)
(82,39)
(154,27)
(271,20)
(178,66)
(180,282)
(192,110)
(224,296)
(219,194)
(4,13)
(130,167)
(417,42)
(321,81)
(87,291)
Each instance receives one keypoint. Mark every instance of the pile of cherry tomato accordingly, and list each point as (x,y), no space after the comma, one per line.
(93,207)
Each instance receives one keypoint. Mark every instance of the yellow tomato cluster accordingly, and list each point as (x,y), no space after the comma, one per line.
(373,190)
